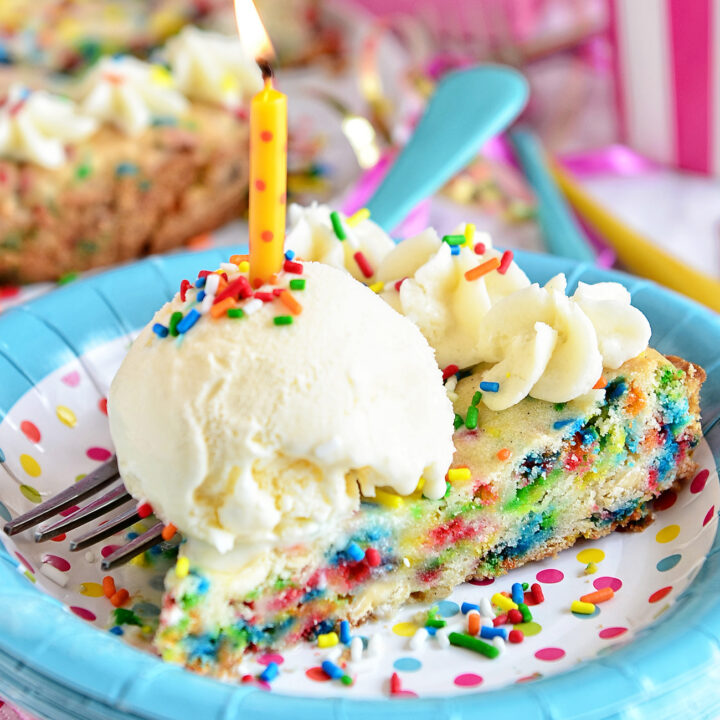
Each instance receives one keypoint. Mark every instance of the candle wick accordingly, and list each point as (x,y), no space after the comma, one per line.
(266,69)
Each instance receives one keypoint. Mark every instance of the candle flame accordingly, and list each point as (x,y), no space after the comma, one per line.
(252,31)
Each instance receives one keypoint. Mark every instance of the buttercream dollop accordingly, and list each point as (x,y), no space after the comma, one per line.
(313,237)
(213,68)
(425,282)
(130,94)
(553,347)
(35,126)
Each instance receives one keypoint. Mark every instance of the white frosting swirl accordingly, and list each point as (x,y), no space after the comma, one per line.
(36,126)
(129,94)
(622,330)
(213,68)
(435,295)
(541,342)
(312,237)
(552,347)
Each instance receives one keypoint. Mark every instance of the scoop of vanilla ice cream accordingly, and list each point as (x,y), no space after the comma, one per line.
(247,434)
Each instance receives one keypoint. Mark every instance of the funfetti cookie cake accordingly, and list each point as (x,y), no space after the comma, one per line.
(69,35)
(140,158)
(380,423)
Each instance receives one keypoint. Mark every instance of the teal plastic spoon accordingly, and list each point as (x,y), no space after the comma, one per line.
(467,109)
(561,231)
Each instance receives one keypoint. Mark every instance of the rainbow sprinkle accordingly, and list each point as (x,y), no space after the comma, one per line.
(358,217)
(505,262)
(188,321)
(469,233)
(175,318)
(471,419)
(582,608)
(332,670)
(345,638)
(459,474)
(338,229)
(472,643)
(327,640)
(362,262)
(355,552)
(271,671)
(483,269)
(182,567)
(226,293)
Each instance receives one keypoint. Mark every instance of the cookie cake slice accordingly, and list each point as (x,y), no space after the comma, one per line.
(566,426)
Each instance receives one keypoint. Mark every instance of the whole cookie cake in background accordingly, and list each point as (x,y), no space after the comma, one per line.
(69,35)
(135,157)
(143,151)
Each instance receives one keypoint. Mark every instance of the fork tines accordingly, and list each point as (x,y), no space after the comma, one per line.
(91,484)
(105,530)
(109,501)
(136,546)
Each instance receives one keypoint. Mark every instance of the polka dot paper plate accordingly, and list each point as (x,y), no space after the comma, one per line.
(650,651)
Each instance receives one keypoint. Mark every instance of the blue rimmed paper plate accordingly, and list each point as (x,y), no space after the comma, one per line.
(650,652)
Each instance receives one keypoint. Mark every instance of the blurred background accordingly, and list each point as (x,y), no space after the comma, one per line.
(624,112)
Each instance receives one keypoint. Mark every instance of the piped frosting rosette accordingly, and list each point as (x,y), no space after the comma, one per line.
(130,94)
(36,126)
(314,236)
(475,306)
(426,282)
(552,347)
(213,68)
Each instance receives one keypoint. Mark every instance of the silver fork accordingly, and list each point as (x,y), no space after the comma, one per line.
(99,479)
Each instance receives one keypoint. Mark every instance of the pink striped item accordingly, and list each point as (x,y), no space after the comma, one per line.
(667,78)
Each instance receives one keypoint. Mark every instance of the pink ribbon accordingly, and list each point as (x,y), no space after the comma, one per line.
(611,160)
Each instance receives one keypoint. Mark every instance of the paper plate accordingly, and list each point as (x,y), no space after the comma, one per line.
(59,653)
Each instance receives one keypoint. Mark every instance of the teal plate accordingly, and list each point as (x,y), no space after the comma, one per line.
(58,666)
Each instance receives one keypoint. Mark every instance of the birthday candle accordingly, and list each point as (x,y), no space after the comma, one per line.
(268,182)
